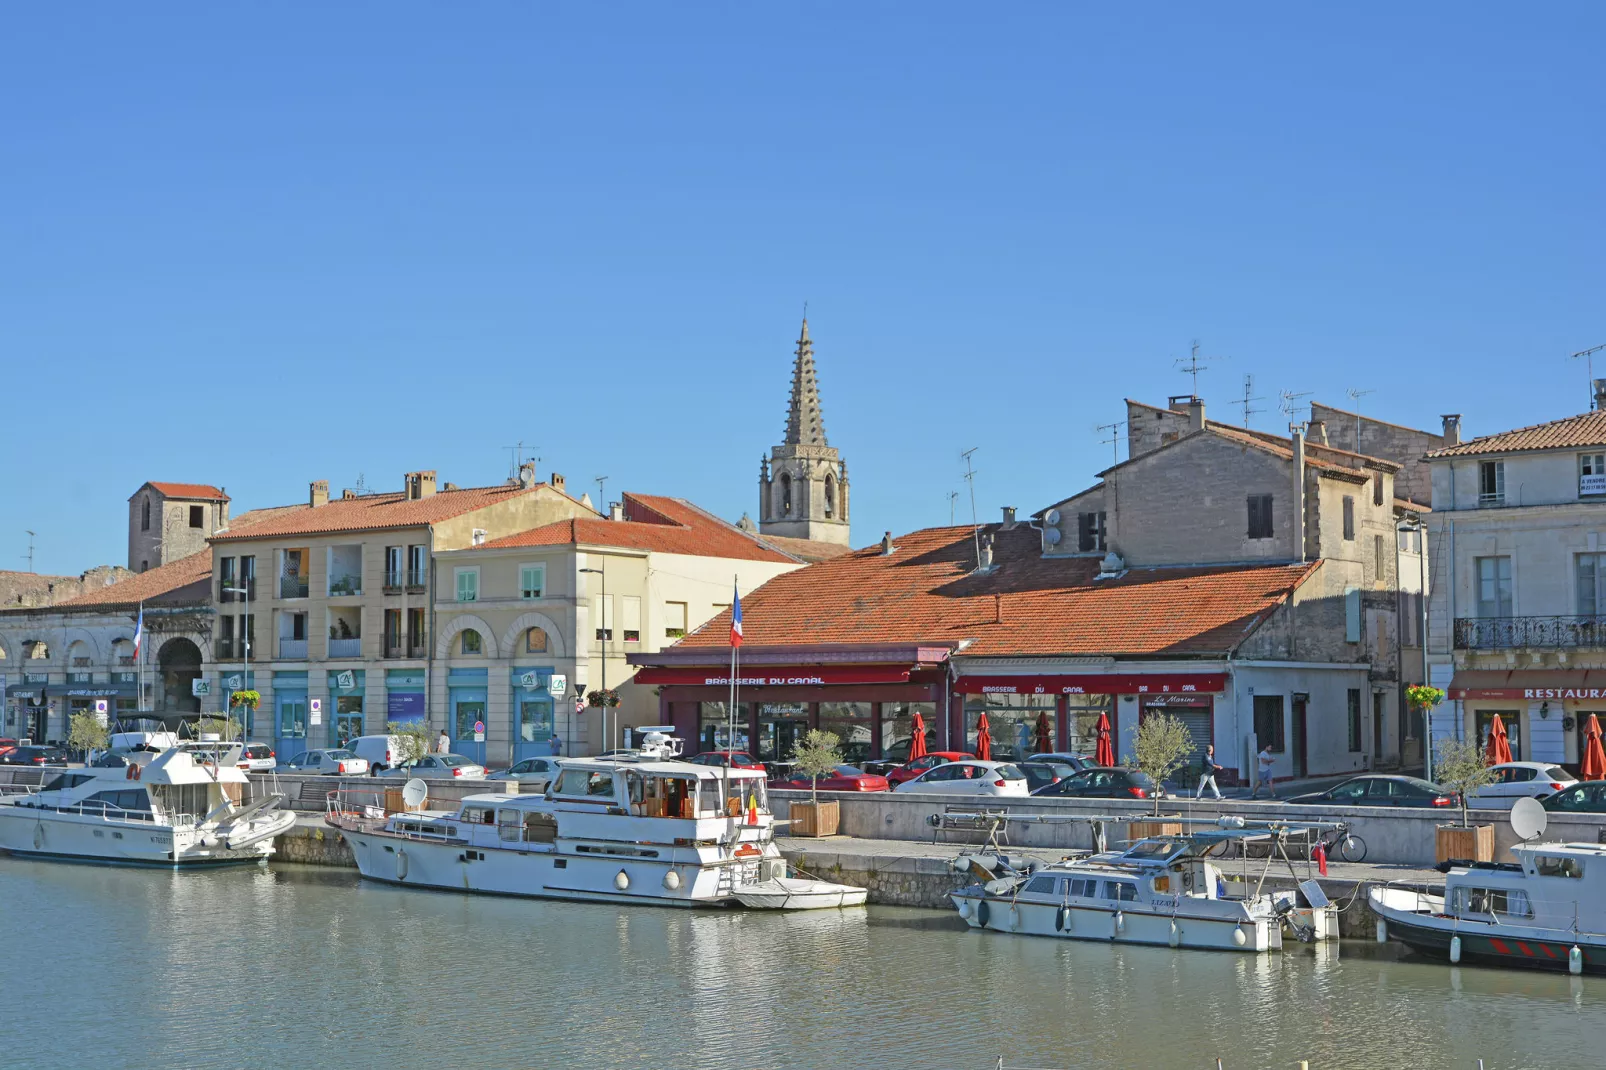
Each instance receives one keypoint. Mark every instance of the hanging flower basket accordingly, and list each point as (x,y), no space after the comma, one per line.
(252,699)
(1423,696)
(606,696)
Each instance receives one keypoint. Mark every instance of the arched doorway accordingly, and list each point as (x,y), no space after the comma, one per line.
(179,662)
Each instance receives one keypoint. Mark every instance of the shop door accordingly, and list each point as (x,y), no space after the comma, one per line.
(532,728)
(345,728)
(1513,725)
(466,713)
(290,730)
(1297,748)
(36,719)
(1196,720)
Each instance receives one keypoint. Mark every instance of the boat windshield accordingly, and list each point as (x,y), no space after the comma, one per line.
(1156,850)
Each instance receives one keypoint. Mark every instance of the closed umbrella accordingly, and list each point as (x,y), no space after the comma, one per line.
(917,737)
(1498,751)
(1045,734)
(1594,767)
(1104,752)
(984,740)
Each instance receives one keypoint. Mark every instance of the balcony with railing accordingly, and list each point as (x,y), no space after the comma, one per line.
(345,632)
(293,573)
(292,649)
(417,578)
(1537,633)
(223,649)
(345,570)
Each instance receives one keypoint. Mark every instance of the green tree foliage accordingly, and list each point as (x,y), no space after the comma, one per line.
(412,738)
(1460,765)
(818,755)
(1161,748)
(86,733)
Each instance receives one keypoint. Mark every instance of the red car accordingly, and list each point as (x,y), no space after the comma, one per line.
(736,759)
(845,778)
(910,770)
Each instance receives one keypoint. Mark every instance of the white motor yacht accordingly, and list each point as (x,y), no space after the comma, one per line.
(170,808)
(640,828)
(1162,890)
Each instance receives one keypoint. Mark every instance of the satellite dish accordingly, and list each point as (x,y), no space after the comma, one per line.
(1051,517)
(1051,536)
(1528,818)
(414,792)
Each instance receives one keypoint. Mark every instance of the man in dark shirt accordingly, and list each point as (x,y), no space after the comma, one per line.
(1208,774)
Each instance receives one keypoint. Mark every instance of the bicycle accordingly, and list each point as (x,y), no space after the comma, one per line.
(1339,841)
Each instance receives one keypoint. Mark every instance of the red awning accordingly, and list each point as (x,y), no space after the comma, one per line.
(776,676)
(1106,684)
(1536,684)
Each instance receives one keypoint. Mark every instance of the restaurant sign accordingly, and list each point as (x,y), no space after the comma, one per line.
(795,676)
(1107,684)
(1553,694)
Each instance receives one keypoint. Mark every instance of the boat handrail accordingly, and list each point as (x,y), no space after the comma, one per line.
(105,811)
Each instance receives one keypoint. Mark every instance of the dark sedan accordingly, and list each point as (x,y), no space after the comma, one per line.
(1101,782)
(843,778)
(1380,790)
(1586,798)
(34,755)
(1042,774)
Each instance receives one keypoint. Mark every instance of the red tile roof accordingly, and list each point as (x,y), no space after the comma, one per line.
(163,584)
(189,490)
(810,550)
(924,592)
(654,523)
(1589,429)
(371,512)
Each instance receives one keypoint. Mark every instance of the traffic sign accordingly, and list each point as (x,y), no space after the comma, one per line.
(479,728)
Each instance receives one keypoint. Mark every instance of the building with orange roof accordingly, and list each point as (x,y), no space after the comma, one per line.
(169,521)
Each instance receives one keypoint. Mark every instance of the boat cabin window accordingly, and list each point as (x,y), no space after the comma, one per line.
(591,784)
(1472,902)
(1120,891)
(63,781)
(1558,866)
(1041,885)
(1082,887)
(478,815)
(131,799)
(662,796)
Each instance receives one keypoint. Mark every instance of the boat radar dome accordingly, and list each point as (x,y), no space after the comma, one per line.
(657,742)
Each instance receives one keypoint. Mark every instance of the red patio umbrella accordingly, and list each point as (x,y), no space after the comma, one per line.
(917,737)
(1104,752)
(1594,767)
(1498,750)
(1045,734)
(984,740)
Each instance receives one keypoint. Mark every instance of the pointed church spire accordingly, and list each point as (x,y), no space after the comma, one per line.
(805,425)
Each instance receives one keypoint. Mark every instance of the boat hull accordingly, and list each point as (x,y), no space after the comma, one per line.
(92,838)
(1506,946)
(1132,926)
(792,894)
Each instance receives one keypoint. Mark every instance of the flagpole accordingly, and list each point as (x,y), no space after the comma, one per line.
(730,709)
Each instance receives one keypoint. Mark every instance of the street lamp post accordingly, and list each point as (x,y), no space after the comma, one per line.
(245,653)
(607,736)
(1416,524)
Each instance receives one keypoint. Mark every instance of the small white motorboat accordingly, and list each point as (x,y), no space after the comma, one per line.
(790,893)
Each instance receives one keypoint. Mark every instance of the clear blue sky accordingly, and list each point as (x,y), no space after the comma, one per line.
(258,245)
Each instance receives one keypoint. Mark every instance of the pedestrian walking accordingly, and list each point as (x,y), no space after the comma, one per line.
(1208,776)
(443,745)
(557,744)
(1264,762)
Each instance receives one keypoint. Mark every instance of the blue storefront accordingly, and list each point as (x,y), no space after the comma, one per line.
(290,714)
(466,691)
(404,695)
(345,707)
(532,712)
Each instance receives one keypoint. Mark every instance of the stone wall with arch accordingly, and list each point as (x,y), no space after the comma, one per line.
(461,623)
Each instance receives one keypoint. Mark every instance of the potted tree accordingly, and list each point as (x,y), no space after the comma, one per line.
(1160,749)
(1461,766)
(86,733)
(412,743)
(817,755)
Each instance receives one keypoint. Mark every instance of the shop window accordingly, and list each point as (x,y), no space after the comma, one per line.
(897,728)
(1260,526)
(850,723)
(713,727)
(1082,722)
(471,642)
(1269,721)
(1014,722)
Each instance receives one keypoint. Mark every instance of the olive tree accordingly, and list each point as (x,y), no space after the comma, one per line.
(225,728)
(819,754)
(1161,748)
(86,733)
(412,740)
(1461,766)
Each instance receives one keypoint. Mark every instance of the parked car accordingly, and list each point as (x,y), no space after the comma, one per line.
(328,762)
(380,752)
(258,758)
(1583,797)
(845,778)
(896,755)
(1042,774)
(1103,782)
(534,773)
(1377,789)
(440,767)
(910,770)
(970,777)
(1518,780)
(35,754)
(1075,761)
(736,759)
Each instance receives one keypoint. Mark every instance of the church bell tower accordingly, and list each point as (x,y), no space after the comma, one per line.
(803,483)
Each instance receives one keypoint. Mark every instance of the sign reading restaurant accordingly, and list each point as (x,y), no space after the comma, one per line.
(1103,684)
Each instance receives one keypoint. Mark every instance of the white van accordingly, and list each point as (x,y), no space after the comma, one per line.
(381,752)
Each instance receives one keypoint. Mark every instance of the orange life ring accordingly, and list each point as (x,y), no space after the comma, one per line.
(128,774)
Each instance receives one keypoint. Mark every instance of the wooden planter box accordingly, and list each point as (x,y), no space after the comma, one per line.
(815,819)
(1475,843)
(1140,830)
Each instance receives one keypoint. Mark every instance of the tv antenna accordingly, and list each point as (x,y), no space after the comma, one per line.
(1114,440)
(1355,397)
(362,485)
(1193,364)
(30,551)
(1249,389)
(602,492)
(953,497)
(1288,402)
(517,457)
(970,481)
(1589,363)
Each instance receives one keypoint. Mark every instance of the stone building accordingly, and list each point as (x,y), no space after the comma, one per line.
(1406,446)
(1518,626)
(803,483)
(27,590)
(169,521)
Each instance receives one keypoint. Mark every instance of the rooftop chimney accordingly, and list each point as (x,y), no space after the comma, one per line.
(1298,499)
(616,511)
(347,495)
(419,485)
(319,494)
(886,545)
(1316,431)
(527,475)
(1196,416)
(1452,429)
(1009,517)
(556,481)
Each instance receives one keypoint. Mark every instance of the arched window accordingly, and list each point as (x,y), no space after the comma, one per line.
(35,650)
(145,515)
(535,641)
(471,642)
(786,494)
(830,496)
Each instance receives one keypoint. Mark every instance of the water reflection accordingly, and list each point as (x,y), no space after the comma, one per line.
(147,969)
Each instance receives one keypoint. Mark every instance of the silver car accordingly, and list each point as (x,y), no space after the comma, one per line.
(258,758)
(534,773)
(335,762)
(439,767)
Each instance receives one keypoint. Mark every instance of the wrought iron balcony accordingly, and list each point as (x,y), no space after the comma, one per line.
(1516,633)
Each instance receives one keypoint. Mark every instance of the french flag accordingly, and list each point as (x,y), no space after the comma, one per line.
(736,617)
(139,630)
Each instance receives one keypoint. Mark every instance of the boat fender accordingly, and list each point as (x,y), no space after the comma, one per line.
(1120,921)
(1240,937)
(964,908)
(981,913)
(38,835)
(1062,919)
(1382,931)
(1455,949)
(1176,934)
(401,865)
(1575,959)
(672,881)
(1014,916)
(621,880)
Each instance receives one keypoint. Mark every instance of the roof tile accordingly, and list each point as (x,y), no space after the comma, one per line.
(653,523)
(371,512)
(190,490)
(1588,429)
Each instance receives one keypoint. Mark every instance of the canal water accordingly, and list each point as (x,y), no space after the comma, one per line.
(313,968)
